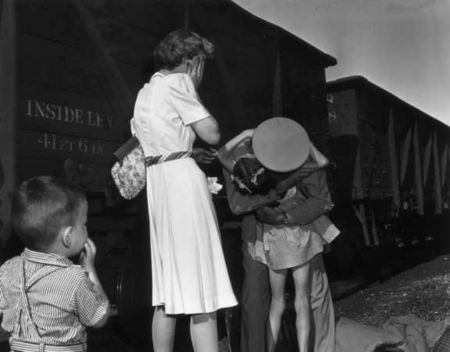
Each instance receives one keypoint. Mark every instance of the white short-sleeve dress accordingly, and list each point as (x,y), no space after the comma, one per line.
(189,274)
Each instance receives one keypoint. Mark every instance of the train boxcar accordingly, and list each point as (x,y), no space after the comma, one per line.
(391,161)
(70,73)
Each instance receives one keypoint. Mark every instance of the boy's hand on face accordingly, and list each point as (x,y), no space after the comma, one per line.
(87,257)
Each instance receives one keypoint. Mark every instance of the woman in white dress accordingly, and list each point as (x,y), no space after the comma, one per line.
(189,275)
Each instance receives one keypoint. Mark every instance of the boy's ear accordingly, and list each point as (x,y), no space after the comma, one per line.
(67,236)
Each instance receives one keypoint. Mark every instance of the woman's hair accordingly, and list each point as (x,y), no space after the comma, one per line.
(180,44)
(251,176)
(41,207)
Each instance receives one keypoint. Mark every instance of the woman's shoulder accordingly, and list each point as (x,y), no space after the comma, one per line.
(158,83)
(179,81)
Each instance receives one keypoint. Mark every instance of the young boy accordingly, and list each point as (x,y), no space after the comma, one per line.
(46,301)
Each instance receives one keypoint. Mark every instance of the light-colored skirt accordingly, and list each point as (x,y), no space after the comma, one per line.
(189,273)
(284,247)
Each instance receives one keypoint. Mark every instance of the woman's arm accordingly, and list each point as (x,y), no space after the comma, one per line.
(225,153)
(318,157)
(232,143)
(311,200)
(208,130)
(241,203)
(315,162)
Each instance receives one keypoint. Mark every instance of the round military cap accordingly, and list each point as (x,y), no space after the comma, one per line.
(280,144)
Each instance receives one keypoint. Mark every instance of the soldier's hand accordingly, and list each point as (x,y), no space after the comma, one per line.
(269,215)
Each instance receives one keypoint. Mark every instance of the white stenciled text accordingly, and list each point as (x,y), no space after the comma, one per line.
(53,142)
(67,114)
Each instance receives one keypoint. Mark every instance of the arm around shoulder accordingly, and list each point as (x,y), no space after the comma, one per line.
(311,201)
(226,153)
(240,203)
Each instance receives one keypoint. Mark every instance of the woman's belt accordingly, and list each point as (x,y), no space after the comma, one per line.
(158,159)
(27,346)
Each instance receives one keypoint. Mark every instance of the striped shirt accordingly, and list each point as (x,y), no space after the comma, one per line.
(62,303)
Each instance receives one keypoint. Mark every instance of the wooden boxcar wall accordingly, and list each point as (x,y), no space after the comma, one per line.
(79,65)
(401,153)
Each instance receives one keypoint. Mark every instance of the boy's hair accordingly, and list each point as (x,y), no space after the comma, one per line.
(180,44)
(41,207)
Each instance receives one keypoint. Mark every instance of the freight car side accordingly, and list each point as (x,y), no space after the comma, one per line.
(66,118)
(64,113)
(69,110)
(398,165)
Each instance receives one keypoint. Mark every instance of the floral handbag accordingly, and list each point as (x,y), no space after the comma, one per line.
(129,171)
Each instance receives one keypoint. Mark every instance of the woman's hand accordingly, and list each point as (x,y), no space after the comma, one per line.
(195,70)
(204,156)
(317,156)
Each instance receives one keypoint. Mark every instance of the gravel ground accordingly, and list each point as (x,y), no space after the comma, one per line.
(423,291)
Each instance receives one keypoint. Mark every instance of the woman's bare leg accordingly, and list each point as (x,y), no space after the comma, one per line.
(163,330)
(204,332)
(302,279)
(277,304)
